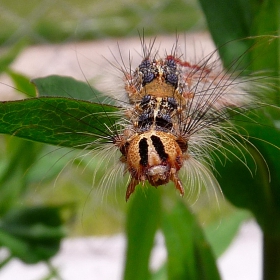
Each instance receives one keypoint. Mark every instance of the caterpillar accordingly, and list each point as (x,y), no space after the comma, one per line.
(174,114)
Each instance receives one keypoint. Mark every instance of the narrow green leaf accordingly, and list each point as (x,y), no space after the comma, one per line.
(58,121)
(17,247)
(160,274)
(228,21)
(141,225)
(5,261)
(221,233)
(266,18)
(267,22)
(22,84)
(53,272)
(189,254)
(68,87)
(20,155)
(8,57)
(252,190)
(260,195)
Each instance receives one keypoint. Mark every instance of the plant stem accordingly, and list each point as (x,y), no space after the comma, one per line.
(271,257)
(5,261)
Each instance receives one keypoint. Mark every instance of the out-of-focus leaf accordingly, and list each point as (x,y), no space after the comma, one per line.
(228,21)
(49,163)
(8,57)
(266,17)
(252,190)
(189,254)
(22,84)
(233,25)
(5,261)
(53,273)
(260,195)
(58,121)
(68,87)
(160,274)
(267,22)
(20,155)
(221,233)
(255,191)
(142,222)
(32,234)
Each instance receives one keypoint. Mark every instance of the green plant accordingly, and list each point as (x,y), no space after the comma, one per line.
(232,20)
(55,118)
(59,121)
(31,233)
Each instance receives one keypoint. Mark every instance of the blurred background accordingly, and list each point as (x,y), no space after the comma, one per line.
(45,22)
(68,37)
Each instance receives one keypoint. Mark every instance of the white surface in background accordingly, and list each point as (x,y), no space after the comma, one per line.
(91,60)
(243,259)
(103,258)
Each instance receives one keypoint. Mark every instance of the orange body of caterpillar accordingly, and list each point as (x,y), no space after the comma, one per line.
(171,101)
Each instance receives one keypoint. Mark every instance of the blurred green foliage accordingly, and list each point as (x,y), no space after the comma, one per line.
(62,21)
(30,232)
(232,21)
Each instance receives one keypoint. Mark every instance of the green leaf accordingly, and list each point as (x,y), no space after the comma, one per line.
(266,18)
(260,195)
(141,225)
(189,254)
(32,234)
(8,57)
(252,190)
(68,87)
(238,27)
(267,22)
(20,155)
(58,121)
(221,233)
(22,84)
(160,274)
(228,21)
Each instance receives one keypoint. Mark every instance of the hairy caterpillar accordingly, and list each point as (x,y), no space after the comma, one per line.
(175,117)
(172,116)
